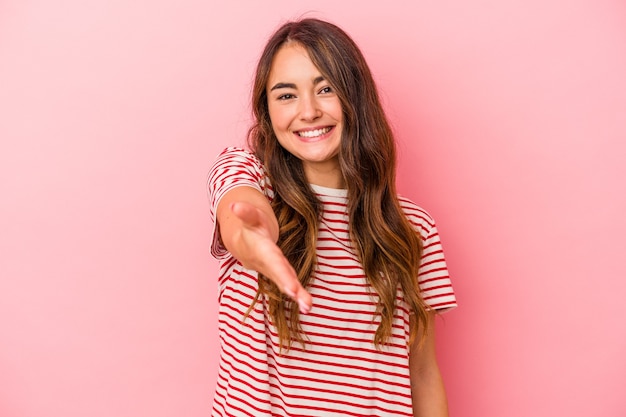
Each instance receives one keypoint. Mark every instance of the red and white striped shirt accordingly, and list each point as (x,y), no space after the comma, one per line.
(339,372)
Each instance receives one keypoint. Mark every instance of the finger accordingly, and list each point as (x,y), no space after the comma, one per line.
(300,296)
(293,288)
(304,300)
(284,276)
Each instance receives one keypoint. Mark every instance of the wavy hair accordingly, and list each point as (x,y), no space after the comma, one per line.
(387,245)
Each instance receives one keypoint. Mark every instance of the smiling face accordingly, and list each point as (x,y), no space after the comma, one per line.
(306,114)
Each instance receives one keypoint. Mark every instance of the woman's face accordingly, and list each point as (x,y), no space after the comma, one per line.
(306,114)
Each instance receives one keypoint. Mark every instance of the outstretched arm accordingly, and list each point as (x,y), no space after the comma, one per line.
(427,389)
(249,230)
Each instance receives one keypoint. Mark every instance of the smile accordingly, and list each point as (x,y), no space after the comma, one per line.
(313,133)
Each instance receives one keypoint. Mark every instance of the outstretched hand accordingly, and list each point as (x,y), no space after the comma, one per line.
(264,256)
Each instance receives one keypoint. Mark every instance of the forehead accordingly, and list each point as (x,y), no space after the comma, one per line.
(292,63)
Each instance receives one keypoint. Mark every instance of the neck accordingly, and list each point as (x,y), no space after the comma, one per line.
(330,178)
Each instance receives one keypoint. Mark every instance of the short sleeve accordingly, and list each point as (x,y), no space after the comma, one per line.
(234,167)
(433,277)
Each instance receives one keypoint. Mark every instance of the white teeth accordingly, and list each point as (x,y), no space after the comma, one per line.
(314,133)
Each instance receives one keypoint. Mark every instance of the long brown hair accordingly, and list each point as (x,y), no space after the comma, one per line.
(387,245)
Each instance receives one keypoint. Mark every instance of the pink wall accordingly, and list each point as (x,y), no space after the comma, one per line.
(511,118)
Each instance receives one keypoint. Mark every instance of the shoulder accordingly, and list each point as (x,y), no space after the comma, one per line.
(236,167)
(234,160)
(235,154)
(418,217)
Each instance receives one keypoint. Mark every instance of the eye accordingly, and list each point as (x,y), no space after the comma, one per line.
(285,96)
(326,90)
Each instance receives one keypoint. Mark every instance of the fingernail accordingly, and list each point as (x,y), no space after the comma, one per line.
(304,309)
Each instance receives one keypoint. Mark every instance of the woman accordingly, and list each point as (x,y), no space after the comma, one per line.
(328,280)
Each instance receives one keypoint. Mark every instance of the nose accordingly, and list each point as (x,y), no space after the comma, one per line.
(309,108)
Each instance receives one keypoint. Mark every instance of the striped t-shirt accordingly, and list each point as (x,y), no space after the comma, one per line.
(340,372)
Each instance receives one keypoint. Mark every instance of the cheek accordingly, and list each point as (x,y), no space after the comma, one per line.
(277,128)
(336,111)
(277,118)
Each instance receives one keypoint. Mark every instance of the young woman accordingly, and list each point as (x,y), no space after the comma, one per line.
(328,280)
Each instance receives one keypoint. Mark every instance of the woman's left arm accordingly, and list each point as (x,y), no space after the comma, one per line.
(427,389)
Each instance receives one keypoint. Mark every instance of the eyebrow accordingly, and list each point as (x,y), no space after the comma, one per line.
(317,80)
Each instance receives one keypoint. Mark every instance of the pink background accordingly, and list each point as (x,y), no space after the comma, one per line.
(511,118)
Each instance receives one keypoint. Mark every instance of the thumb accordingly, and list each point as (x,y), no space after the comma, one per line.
(246,212)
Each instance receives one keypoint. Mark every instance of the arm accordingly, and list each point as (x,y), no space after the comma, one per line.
(427,389)
(249,230)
